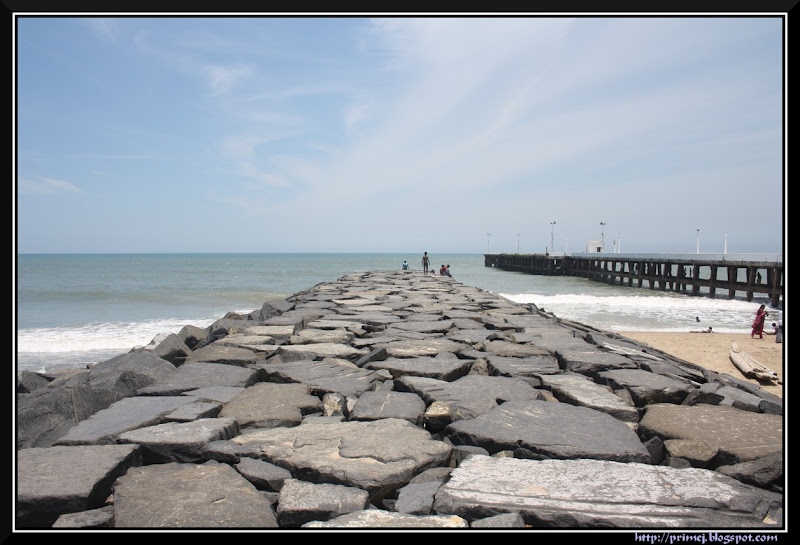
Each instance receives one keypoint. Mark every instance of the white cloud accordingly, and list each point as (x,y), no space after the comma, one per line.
(46,186)
(222,79)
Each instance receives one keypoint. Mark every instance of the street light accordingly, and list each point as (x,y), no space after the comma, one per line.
(487,242)
(552,232)
(603,235)
(517,242)
(698,240)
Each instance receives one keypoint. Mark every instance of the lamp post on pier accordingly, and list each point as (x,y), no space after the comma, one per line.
(552,233)
(603,235)
(698,240)
(487,242)
(517,242)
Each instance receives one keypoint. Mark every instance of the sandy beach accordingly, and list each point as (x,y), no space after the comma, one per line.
(711,351)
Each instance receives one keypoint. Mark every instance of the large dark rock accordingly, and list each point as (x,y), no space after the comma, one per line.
(544,429)
(198,375)
(179,441)
(103,427)
(603,494)
(470,395)
(269,405)
(57,480)
(647,388)
(173,495)
(739,435)
(322,376)
(378,457)
(445,367)
(47,414)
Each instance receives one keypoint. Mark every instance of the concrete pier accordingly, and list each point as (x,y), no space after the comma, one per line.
(694,276)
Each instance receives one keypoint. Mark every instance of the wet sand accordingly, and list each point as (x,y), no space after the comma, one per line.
(711,351)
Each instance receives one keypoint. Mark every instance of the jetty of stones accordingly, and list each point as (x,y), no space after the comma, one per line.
(395,399)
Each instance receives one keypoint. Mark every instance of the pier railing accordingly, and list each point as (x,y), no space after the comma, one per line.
(695,274)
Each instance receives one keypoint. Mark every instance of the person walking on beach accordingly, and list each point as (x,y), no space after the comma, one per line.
(425,262)
(758,323)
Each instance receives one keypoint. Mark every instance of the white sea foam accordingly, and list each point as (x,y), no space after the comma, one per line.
(96,336)
(644,312)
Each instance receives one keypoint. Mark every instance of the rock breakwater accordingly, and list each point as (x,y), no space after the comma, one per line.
(393,399)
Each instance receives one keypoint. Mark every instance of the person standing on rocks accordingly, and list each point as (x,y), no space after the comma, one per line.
(425,262)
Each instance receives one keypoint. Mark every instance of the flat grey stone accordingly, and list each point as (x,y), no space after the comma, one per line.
(697,453)
(127,414)
(180,441)
(268,405)
(545,429)
(378,456)
(198,375)
(194,411)
(582,391)
(506,520)
(221,353)
(300,502)
(211,495)
(602,494)
(427,347)
(514,350)
(290,352)
(473,335)
(424,326)
(322,376)
(102,517)
(275,332)
(739,435)
(470,395)
(57,480)
(417,498)
(316,336)
(377,405)
(441,368)
(522,366)
(263,475)
(222,394)
(376,518)
(647,388)
(590,362)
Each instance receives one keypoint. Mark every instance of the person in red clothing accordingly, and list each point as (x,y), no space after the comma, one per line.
(758,323)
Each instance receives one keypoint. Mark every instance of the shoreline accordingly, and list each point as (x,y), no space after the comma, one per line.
(711,351)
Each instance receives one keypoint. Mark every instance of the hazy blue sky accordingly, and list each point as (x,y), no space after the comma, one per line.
(327,134)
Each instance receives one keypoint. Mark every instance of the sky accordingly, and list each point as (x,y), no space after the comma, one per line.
(400,134)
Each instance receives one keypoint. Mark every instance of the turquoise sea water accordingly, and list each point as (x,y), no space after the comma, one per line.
(74,309)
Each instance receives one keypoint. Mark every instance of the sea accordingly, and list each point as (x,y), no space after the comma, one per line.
(71,310)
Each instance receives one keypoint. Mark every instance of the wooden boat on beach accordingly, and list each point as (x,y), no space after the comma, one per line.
(749,367)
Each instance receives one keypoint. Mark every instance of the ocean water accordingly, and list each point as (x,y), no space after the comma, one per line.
(75,309)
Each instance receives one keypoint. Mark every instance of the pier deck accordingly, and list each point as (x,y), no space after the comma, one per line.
(694,276)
